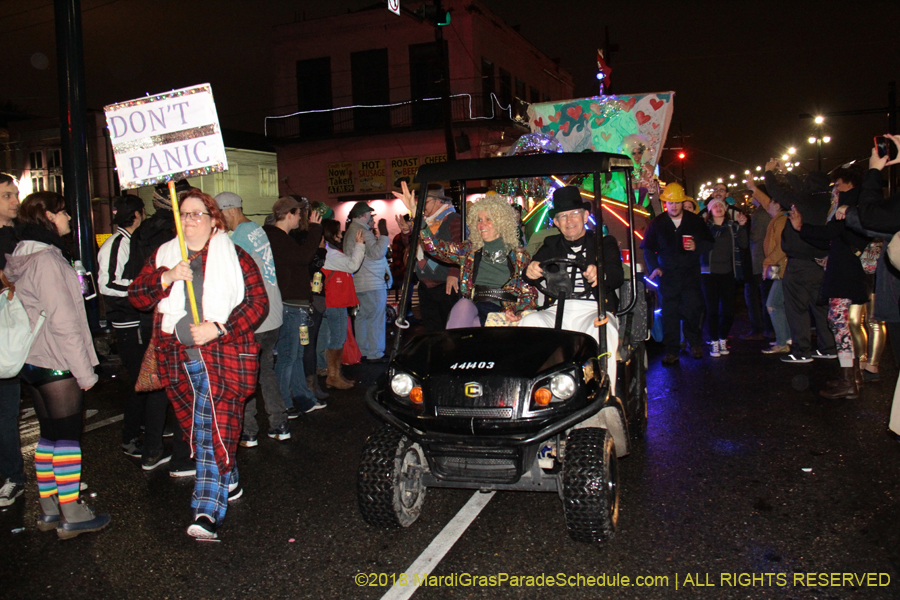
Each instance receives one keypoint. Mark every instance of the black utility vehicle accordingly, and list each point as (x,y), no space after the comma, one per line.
(511,408)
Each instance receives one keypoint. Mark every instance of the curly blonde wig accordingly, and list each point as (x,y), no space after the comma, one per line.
(503,216)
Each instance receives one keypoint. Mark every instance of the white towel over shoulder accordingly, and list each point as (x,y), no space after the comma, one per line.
(223,282)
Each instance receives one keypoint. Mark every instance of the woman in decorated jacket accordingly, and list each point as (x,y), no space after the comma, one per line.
(492,262)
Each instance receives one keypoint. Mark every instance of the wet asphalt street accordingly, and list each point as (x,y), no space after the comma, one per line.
(743,488)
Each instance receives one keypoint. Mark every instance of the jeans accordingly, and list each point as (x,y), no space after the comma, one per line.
(370,327)
(333,332)
(268,383)
(315,323)
(289,367)
(775,306)
(11,463)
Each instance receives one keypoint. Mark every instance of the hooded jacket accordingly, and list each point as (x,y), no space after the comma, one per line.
(46,282)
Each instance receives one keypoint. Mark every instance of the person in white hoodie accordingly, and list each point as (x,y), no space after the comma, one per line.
(60,363)
(340,294)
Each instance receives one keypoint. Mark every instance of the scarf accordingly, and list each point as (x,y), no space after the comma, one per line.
(433,223)
(223,282)
(37,233)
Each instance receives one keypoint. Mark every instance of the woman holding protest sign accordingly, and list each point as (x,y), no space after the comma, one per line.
(207,364)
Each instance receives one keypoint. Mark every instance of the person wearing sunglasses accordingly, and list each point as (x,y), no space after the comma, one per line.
(208,369)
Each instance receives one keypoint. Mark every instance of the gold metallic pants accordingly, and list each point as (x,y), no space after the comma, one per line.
(868,334)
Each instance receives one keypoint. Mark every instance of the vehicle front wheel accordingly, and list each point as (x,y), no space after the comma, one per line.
(389,485)
(590,485)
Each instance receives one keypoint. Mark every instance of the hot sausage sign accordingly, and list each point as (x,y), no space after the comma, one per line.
(174,135)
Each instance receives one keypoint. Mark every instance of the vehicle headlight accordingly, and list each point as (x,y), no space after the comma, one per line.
(562,386)
(401,384)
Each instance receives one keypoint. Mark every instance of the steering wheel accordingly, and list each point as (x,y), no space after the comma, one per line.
(558,282)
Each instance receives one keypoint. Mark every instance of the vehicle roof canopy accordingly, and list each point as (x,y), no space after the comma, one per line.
(535,165)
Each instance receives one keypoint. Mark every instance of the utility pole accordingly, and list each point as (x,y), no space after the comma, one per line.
(446,106)
(73,136)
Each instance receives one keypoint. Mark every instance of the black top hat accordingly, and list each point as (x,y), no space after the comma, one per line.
(568,198)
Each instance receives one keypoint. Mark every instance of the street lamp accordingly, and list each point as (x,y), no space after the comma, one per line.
(818,141)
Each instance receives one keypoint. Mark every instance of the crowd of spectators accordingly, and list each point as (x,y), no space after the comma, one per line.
(275,302)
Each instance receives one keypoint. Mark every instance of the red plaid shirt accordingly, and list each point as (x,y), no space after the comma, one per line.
(232,360)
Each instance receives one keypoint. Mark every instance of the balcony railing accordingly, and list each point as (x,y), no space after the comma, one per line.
(412,115)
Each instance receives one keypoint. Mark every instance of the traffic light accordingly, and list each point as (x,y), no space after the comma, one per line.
(435,14)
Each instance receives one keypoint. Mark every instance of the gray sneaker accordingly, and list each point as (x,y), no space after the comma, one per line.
(280,433)
(10,491)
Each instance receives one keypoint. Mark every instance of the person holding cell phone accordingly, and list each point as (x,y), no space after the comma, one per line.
(721,268)
(673,243)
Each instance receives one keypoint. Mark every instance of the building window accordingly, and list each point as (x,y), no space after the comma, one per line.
(369,75)
(505,88)
(37,184)
(56,184)
(425,82)
(268,182)
(487,86)
(314,93)
(227,181)
(36,161)
(535,95)
(54,159)
(520,90)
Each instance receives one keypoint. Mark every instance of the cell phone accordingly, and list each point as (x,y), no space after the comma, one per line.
(886,147)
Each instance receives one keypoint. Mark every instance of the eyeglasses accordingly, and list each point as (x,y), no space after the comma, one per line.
(192,216)
(575,214)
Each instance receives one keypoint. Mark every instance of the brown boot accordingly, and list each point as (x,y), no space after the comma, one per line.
(335,379)
(312,382)
(846,389)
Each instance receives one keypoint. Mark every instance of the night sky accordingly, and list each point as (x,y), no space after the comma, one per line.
(742,71)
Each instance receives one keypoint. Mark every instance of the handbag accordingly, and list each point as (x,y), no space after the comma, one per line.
(16,333)
(775,271)
(148,377)
(871,254)
(350,354)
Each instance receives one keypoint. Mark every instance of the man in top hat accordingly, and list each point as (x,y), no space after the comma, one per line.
(673,243)
(570,215)
(252,238)
(147,409)
(371,280)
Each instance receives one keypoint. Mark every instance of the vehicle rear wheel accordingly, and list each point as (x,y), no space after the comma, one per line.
(389,485)
(590,485)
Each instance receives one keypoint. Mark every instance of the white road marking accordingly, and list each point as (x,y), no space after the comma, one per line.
(104,423)
(439,546)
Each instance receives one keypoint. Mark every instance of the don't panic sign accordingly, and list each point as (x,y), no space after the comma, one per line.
(166,136)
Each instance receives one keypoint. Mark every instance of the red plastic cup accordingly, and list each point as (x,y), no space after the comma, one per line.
(685,239)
